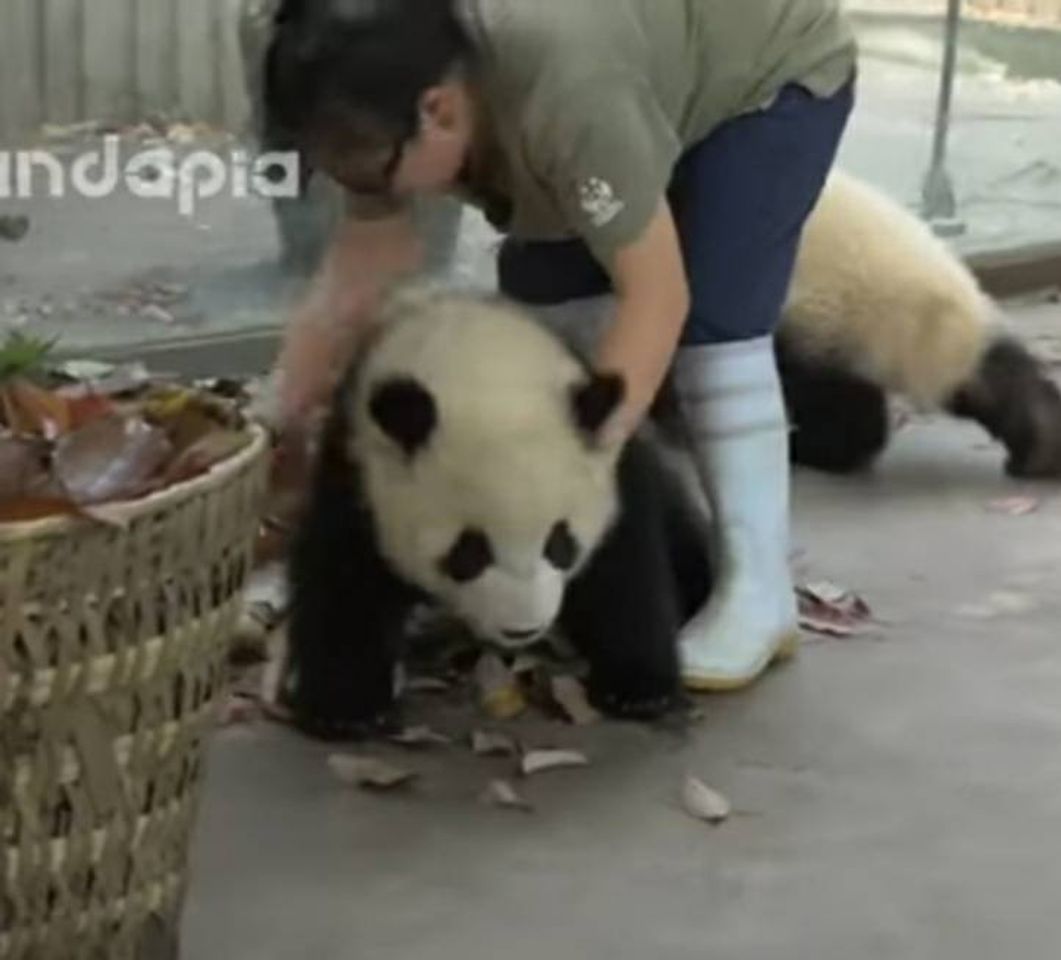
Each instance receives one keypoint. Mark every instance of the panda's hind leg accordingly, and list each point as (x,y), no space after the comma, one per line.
(1012,397)
(839,420)
(623,612)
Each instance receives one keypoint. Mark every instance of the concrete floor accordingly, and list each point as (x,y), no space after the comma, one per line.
(899,795)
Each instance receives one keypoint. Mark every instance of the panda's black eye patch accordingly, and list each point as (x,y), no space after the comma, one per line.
(561,549)
(406,413)
(469,558)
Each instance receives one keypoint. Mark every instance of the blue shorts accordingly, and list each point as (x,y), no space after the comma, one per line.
(740,199)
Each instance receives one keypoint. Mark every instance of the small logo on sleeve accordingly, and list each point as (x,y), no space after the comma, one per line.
(599,202)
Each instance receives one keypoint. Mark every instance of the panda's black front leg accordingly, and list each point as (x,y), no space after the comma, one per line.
(622,611)
(347,616)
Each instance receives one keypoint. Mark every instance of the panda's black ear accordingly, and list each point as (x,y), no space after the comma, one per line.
(405,412)
(596,401)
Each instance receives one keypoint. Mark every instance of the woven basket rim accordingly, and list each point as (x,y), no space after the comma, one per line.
(125,511)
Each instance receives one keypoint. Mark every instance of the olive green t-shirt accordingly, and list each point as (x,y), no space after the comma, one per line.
(592,102)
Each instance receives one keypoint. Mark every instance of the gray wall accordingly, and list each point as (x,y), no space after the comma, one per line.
(63,61)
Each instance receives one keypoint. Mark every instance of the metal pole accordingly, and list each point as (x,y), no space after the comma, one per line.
(939,205)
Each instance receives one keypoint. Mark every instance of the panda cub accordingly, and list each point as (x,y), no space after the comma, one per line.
(465,463)
(878,306)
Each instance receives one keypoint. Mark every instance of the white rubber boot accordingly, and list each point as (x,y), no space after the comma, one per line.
(735,416)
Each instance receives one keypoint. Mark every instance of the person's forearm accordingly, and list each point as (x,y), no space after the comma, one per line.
(653,305)
(640,346)
(321,337)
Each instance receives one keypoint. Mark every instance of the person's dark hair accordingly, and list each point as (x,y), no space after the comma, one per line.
(356,68)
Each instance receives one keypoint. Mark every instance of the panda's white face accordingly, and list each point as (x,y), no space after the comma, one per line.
(477,435)
(508,594)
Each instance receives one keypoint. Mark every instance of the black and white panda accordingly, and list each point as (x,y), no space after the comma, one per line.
(465,462)
(880,306)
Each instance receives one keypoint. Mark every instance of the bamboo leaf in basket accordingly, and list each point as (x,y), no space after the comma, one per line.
(115,458)
(28,509)
(23,469)
(30,410)
(211,449)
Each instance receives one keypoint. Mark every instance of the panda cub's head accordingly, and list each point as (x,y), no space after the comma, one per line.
(480,443)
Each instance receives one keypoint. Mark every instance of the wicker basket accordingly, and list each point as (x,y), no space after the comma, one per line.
(112,649)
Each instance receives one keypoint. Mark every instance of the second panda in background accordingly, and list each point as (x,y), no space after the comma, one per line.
(879,305)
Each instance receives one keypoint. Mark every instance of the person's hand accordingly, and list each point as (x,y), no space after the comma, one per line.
(317,344)
(289,484)
(322,336)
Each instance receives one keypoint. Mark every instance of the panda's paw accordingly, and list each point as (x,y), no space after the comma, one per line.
(329,706)
(333,715)
(641,711)
(636,698)
(332,728)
